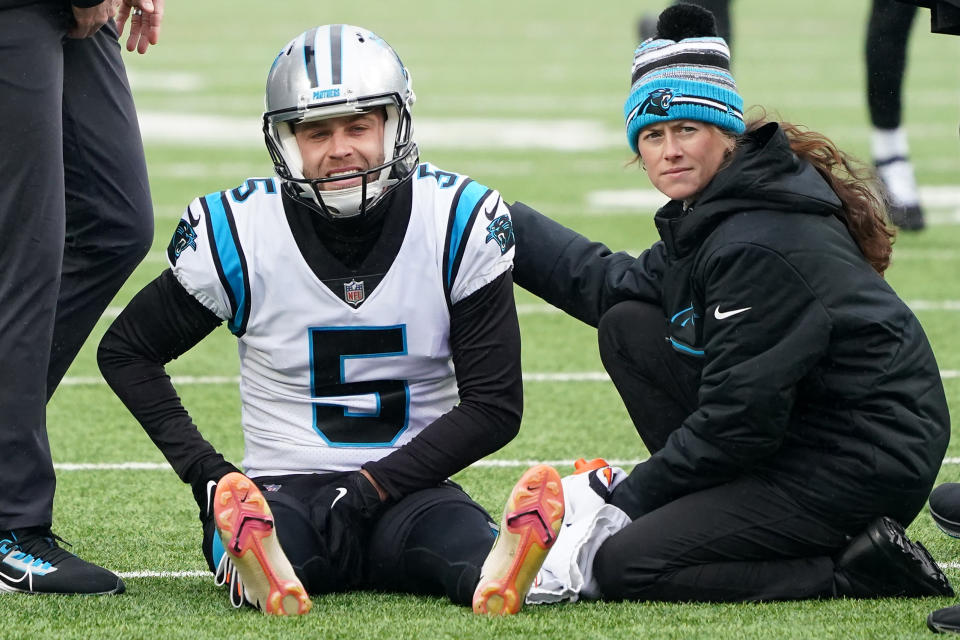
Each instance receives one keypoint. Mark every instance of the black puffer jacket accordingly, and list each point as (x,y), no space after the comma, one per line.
(816,376)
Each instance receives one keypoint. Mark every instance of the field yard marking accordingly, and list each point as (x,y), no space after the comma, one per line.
(164,574)
(163,466)
(942,203)
(484,464)
(206,574)
(160,256)
(542,308)
(555,134)
(557,376)
(537,308)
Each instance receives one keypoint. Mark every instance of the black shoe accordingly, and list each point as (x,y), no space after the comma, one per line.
(31,561)
(946,620)
(882,562)
(945,508)
(907,218)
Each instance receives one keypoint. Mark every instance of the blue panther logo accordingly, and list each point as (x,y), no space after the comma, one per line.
(501,231)
(658,102)
(185,236)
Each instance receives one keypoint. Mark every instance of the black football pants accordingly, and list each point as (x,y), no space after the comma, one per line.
(746,540)
(432,542)
(75,220)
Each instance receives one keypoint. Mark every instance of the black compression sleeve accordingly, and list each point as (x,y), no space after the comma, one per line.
(162,322)
(485,338)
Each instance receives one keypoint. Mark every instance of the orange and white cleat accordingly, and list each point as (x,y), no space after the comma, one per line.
(530,525)
(246,528)
(586,466)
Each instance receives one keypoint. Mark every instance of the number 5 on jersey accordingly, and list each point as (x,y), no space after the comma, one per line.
(333,418)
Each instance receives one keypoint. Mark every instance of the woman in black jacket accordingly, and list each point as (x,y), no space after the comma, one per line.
(789,399)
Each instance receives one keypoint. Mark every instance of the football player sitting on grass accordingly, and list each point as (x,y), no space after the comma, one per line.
(372,301)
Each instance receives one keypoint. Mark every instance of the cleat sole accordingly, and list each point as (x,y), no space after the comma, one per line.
(246,528)
(532,520)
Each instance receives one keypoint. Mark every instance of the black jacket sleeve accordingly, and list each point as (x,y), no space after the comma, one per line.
(162,322)
(485,340)
(581,277)
(764,329)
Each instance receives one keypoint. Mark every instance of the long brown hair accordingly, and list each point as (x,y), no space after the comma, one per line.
(863,212)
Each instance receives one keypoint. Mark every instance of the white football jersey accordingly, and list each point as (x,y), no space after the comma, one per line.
(330,380)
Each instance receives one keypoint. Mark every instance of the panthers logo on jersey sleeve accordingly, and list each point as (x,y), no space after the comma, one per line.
(206,254)
(486,245)
(479,242)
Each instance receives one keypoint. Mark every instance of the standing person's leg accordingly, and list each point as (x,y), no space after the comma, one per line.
(888,32)
(109,216)
(32,228)
(658,385)
(721,13)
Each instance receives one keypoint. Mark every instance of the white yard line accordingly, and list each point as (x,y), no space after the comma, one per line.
(555,134)
(164,574)
(483,464)
(541,308)
(163,466)
(941,198)
(572,376)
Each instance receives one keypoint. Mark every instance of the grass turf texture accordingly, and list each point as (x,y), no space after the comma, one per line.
(536,61)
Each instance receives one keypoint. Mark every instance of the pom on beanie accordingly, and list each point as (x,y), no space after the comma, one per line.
(680,21)
(683,74)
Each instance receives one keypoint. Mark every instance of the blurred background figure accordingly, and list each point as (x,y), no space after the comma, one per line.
(888,31)
(647,26)
(944,15)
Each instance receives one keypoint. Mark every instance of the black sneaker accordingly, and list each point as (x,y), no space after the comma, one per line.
(882,562)
(945,508)
(907,218)
(946,620)
(31,561)
(900,190)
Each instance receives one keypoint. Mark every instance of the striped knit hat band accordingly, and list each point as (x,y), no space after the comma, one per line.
(687,79)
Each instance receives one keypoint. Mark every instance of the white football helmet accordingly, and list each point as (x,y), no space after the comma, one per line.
(336,70)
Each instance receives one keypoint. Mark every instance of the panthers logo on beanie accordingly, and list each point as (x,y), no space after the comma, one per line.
(658,102)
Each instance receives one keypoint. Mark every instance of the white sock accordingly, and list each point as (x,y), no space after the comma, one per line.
(888,143)
(890,154)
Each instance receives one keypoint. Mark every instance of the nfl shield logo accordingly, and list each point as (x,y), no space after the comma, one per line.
(353,292)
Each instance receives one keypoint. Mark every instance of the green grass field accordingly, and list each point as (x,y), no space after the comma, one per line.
(550,77)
